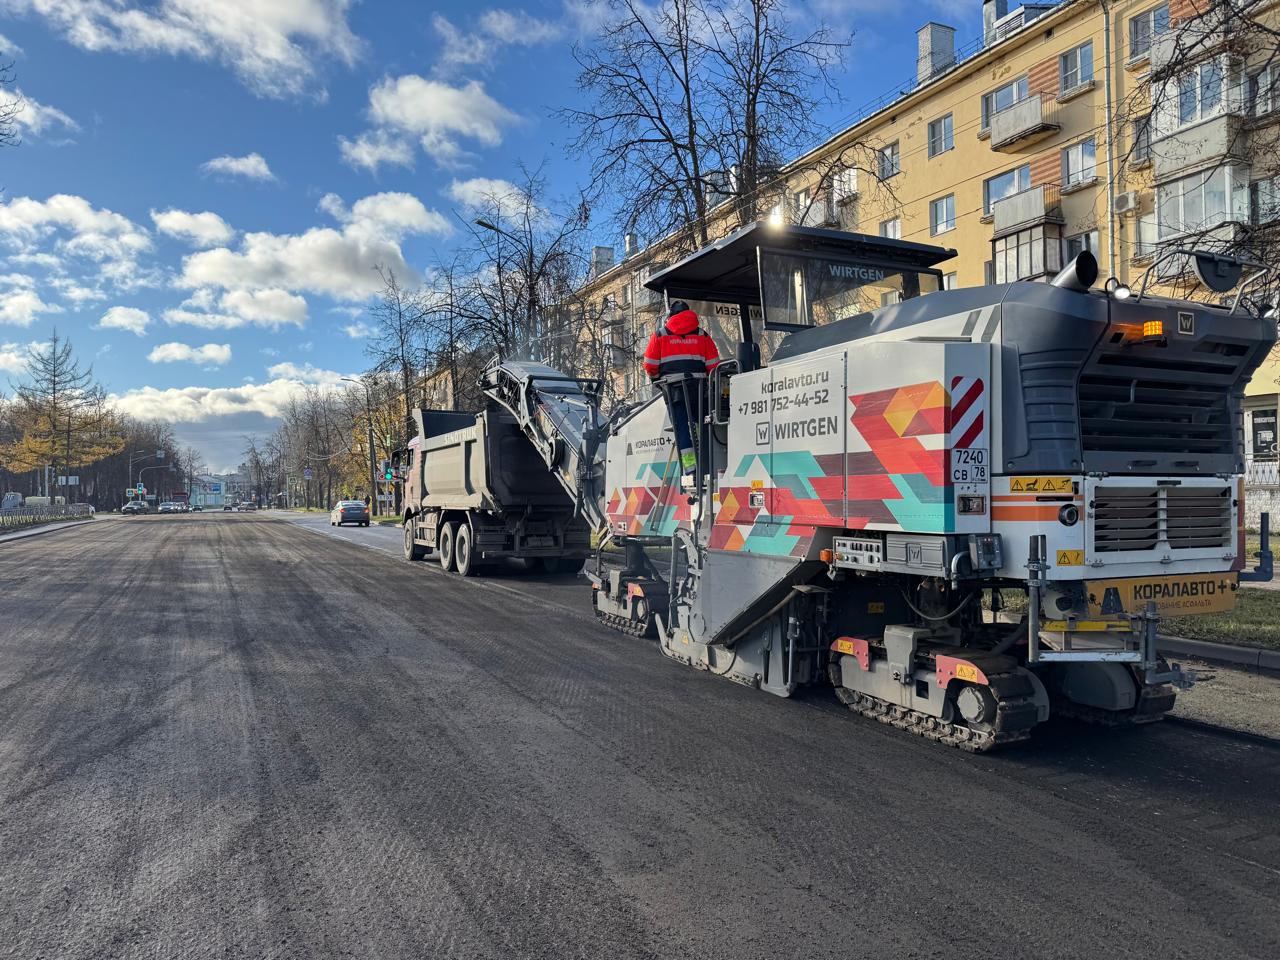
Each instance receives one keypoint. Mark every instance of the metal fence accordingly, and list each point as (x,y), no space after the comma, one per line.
(15,517)
(1262,473)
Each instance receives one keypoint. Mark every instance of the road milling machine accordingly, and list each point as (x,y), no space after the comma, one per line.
(965,509)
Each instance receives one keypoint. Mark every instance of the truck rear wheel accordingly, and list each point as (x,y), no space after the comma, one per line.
(463,556)
(412,549)
(448,533)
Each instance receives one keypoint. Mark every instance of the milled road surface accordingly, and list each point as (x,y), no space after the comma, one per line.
(226,736)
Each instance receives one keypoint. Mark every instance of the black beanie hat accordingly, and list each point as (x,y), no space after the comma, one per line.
(677,306)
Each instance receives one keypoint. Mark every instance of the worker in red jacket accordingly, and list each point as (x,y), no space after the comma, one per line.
(678,358)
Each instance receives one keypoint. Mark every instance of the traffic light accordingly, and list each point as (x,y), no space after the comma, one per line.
(387,473)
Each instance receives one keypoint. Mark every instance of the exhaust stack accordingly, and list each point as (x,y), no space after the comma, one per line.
(1078,275)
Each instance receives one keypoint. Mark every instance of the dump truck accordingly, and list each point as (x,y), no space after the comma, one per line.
(476,491)
(964,510)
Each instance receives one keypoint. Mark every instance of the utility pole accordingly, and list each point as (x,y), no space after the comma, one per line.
(373,460)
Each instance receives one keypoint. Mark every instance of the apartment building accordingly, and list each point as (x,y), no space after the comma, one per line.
(1126,128)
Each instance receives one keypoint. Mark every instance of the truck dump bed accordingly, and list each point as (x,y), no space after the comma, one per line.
(481,461)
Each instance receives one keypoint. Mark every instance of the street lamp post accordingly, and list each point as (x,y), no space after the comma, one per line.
(531,299)
(373,464)
(154,466)
(140,455)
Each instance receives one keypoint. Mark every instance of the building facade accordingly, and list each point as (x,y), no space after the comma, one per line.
(1128,129)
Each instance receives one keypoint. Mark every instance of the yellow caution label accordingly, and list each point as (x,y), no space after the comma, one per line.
(967,671)
(757,484)
(1173,596)
(875,606)
(844,645)
(1071,558)
(1041,485)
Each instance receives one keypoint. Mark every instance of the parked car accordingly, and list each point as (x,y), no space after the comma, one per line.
(349,511)
(135,506)
(168,506)
(198,508)
(248,505)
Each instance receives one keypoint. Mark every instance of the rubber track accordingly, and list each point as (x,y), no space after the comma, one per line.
(632,628)
(1015,716)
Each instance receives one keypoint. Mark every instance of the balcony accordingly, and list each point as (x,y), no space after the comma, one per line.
(1042,204)
(1024,123)
(1186,43)
(1203,144)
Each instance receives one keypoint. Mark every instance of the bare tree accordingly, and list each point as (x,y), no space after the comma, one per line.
(695,102)
(10,108)
(1223,60)
(398,344)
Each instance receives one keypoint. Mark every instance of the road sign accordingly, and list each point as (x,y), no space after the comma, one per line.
(68,481)
(131,492)
(306,473)
(215,488)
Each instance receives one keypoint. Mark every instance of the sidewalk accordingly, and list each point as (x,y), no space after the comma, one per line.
(54,527)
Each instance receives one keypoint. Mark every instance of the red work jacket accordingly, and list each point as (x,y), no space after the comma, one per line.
(680,347)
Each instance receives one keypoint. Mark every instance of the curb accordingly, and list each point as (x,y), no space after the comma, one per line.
(1252,658)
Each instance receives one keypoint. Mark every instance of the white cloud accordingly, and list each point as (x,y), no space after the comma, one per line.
(200,229)
(375,148)
(13,356)
(8,47)
(213,353)
(307,373)
(125,318)
(486,193)
(251,166)
(201,404)
(358,330)
(337,263)
(77,229)
(494,30)
(270,45)
(20,305)
(77,293)
(269,307)
(36,118)
(438,115)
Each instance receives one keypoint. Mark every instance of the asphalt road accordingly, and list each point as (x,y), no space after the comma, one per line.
(227,736)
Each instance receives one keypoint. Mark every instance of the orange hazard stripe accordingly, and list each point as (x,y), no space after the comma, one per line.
(1024,513)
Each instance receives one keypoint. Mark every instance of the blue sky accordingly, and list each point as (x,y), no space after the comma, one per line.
(204,186)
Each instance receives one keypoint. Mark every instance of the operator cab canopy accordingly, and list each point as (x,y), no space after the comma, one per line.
(789,278)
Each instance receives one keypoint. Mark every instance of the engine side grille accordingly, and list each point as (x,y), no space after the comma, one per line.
(1134,403)
(1145,517)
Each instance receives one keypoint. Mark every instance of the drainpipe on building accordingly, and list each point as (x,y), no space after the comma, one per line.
(1111,184)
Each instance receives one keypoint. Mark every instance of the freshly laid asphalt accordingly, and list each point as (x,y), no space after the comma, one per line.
(227,736)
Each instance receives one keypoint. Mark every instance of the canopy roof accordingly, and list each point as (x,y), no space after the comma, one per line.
(725,271)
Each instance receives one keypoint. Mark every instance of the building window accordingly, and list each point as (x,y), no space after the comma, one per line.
(1003,98)
(1072,247)
(888,162)
(890,297)
(1141,151)
(1078,163)
(626,294)
(844,186)
(949,281)
(1264,201)
(1148,235)
(1202,201)
(1024,255)
(1075,67)
(799,205)
(1005,185)
(891,228)
(1145,27)
(1192,97)
(1264,90)
(942,214)
(941,136)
